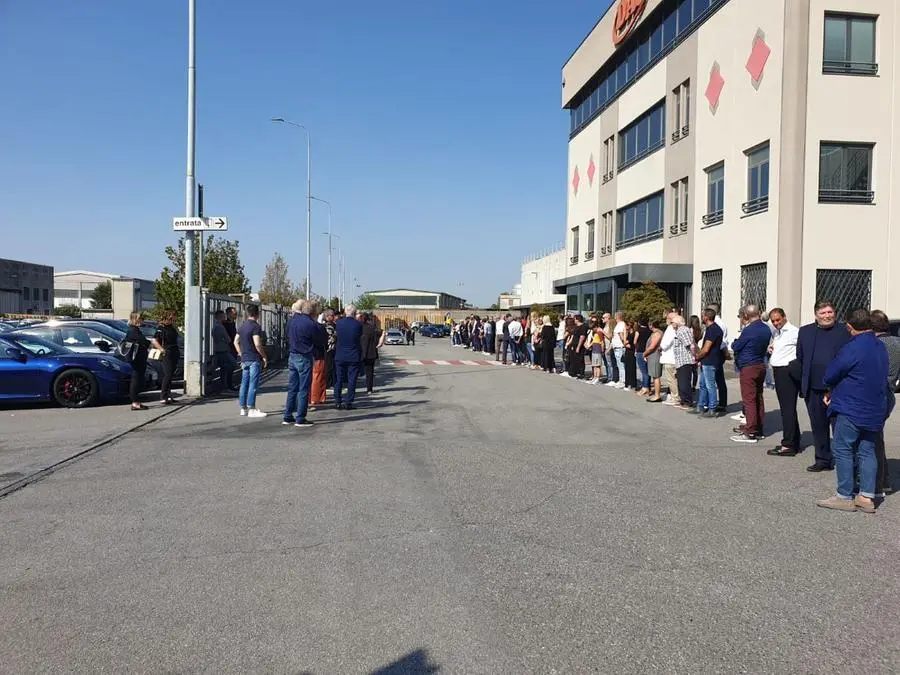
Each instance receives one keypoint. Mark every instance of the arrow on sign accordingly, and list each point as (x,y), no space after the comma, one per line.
(219,223)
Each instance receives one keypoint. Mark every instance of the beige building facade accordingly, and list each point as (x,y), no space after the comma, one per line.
(538,274)
(734,151)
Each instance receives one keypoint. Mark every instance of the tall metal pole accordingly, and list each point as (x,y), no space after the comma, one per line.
(309,196)
(200,215)
(191,304)
(330,234)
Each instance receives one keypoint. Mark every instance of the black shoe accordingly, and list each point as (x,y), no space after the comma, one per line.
(305,424)
(781,451)
(340,406)
(693,411)
(818,468)
(350,406)
(721,410)
(711,415)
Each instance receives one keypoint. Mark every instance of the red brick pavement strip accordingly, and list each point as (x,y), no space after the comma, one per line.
(439,362)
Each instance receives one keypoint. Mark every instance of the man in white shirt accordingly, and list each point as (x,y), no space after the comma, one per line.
(498,335)
(782,353)
(667,360)
(515,341)
(721,385)
(618,345)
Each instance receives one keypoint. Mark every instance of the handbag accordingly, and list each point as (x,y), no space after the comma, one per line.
(156,354)
(127,350)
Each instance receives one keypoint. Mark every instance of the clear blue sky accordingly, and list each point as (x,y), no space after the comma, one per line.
(437,133)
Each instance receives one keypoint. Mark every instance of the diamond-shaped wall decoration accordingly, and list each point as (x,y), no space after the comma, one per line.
(591,170)
(759,55)
(576,180)
(714,88)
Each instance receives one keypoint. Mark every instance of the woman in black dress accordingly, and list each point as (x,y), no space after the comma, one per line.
(628,358)
(137,349)
(548,342)
(166,339)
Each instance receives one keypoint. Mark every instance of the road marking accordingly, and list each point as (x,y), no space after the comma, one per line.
(438,362)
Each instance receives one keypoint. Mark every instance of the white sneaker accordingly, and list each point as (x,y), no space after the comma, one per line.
(254,412)
(740,417)
(243,412)
(564,374)
(611,383)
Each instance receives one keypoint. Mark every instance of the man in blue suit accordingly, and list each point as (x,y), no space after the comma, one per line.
(347,357)
(817,345)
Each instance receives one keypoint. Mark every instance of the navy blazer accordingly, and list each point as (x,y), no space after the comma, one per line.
(806,344)
(349,331)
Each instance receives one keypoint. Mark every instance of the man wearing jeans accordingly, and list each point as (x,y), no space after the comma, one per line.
(250,350)
(750,351)
(709,359)
(304,337)
(857,399)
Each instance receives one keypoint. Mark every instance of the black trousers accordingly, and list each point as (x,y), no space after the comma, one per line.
(138,370)
(630,363)
(576,363)
(685,392)
(787,389)
(369,368)
(538,354)
(722,388)
(329,370)
(818,420)
(170,362)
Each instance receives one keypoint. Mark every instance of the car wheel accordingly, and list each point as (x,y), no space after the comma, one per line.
(75,388)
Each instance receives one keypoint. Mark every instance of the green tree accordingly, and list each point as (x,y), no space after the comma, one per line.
(101,296)
(366,302)
(223,273)
(276,287)
(71,311)
(545,310)
(495,307)
(336,305)
(647,301)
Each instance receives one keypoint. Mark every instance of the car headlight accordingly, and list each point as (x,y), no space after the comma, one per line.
(112,365)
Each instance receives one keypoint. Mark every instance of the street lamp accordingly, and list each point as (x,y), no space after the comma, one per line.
(281,120)
(330,235)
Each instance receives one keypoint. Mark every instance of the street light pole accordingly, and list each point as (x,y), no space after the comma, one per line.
(192,385)
(330,235)
(281,120)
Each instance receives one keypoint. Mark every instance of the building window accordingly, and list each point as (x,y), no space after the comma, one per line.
(609,159)
(657,35)
(847,289)
(845,173)
(575,237)
(640,221)
(711,288)
(757,180)
(715,195)
(753,285)
(681,98)
(849,45)
(643,136)
(591,227)
(606,234)
(46,293)
(678,192)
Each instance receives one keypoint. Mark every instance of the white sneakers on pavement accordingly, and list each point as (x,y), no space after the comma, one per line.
(253,412)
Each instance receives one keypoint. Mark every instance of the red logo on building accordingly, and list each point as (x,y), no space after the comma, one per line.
(628,14)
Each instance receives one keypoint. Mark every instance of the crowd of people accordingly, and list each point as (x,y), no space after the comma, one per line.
(845,373)
(324,352)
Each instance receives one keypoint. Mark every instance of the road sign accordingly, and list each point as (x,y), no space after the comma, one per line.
(217,224)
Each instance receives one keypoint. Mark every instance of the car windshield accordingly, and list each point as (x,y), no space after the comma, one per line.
(35,345)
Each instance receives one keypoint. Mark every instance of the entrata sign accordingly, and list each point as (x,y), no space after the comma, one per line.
(628,14)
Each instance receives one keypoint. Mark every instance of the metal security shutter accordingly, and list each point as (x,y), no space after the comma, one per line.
(753,285)
(710,288)
(847,289)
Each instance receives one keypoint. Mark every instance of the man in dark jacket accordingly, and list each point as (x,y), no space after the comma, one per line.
(750,350)
(857,400)
(347,357)
(305,338)
(817,345)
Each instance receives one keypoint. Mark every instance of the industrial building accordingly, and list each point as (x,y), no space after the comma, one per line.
(405,298)
(25,288)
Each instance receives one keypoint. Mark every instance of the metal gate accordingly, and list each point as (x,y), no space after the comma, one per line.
(272,320)
(847,289)
(753,285)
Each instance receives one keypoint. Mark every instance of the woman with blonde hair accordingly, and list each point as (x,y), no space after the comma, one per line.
(548,342)
(537,355)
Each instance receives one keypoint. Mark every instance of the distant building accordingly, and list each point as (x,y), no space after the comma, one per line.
(406,298)
(538,275)
(25,288)
(509,300)
(129,294)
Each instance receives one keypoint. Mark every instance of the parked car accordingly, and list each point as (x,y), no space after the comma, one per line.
(6,327)
(394,337)
(32,369)
(98,339)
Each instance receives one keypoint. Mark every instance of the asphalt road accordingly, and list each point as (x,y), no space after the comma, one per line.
(464,519)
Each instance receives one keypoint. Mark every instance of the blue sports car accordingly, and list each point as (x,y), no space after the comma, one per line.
(37,370)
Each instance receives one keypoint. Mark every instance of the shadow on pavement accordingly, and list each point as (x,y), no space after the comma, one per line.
(414,663)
